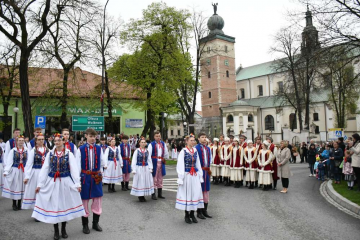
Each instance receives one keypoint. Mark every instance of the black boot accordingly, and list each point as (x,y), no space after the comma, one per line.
(220,179)
(140,199)
(123,186)
(241,183)
(95,224)
(85,223)
(216,180)
(109,188)
(160,193)
(56,231)
(14,207)
(143,198)
(192,217)
(199,214)
(187,217)
(153,196)
(63,230)
(256,184)
(247,183)
(251,185)
(113,187)
(267,187)
(227,180)
(237,184)
(205,213)
(127,186)
(19,204)
(275,183)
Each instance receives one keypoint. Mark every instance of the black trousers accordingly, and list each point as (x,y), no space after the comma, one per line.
(285,182)
(357,174)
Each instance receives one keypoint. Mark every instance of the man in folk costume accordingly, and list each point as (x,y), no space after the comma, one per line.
(215,160)
(103,144)
(225,161)
(251,166)
(265,166)
(243,145)
(125,152)
(69,145)
(10,144)
(205,160)
(91,163)
(32,142)
(236,165)
(273,149)
(159,153)
(258,146)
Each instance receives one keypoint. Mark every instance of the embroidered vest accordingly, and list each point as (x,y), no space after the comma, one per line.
(38,160)
(17,158)
(113,154)
(189,161)
(64,167)
(140,158)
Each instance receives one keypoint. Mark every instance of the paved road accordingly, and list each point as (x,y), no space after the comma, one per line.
(238,214)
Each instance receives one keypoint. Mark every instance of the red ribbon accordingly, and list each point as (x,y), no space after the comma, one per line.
(192,171)
(21,166)
(57,175)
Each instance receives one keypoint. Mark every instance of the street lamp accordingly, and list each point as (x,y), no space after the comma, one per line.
(215,128)
(16,110)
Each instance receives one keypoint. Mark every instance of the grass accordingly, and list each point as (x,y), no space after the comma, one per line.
(171,162)
(351,195)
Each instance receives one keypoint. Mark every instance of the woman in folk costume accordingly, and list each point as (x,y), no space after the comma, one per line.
(142,167)
(35,161)
(190,176)
(215,161)
(58,191)
(265,166)
(113,173)
(14,173)
(236,166)
(251,166)
(225,161)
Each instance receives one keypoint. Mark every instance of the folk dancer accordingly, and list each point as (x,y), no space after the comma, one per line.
(243,145)
(35,161)
(159,153)
(215,161)
(113,173)
(225,161)
(14,173)
(237,163)
(32,142)
(10,144)
(258,146)
(142,167)
(103,144)
(190,177)
(69,145)
(274,150)
(251,165)
(265,166)
(91,163)
(125,151)
(58,199)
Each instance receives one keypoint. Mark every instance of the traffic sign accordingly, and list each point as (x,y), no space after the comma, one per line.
(81,123)
(335,133)
(40,122)
(345,137)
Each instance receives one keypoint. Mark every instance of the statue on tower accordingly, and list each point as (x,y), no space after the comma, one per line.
(215,8)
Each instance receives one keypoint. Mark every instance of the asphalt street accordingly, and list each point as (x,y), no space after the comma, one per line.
(302,213)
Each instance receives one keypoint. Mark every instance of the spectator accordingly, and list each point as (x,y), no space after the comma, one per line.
(337,157)
(282,158)
(321,169)
(50,143)
(341,143)
(312,159)
(304,152)
(294,153)
(290,148)
(325,156)
(355,158)
(348,170)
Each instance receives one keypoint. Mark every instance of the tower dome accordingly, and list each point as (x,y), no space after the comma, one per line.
(215,24)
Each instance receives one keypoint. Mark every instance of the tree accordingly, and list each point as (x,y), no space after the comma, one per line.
(25,24)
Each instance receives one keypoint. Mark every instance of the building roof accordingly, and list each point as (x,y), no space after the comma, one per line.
(255,71)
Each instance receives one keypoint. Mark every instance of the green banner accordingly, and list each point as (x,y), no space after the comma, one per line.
(75,110)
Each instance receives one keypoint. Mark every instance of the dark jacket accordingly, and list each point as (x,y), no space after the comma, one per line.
(312,155)
(338,155)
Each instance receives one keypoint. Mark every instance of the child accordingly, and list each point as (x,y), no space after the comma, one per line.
(321,170)
(348,170)
(316,166)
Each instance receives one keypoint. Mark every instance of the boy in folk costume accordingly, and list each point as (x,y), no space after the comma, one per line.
(32,142)
(125,152)
(258,146)
(236,166)
(103,144)
(10,144)
(251,166)
(113,172)
(159,153)
(205,160)
(14,173)
(265,166)
(273,149)
(91,163)
(215,161)
(225,161)
(69,145)
(243,145)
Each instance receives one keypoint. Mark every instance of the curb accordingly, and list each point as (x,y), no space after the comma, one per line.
(343,202)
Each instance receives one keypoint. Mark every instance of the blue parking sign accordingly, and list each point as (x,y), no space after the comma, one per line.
(40,122)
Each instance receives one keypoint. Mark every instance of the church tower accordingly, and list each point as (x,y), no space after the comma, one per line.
(218,84)
(310,36)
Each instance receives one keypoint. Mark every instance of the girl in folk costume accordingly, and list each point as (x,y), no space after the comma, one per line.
(103,144)
(258,146)
(215,161)
(251,166)
(190,176)
(68,145)
(142,167)
(225,161)
(125,152)
(113,173)
(265,166)
(14,173)
(35,161)
(274,150)
(174,153)
(236,165)
(243,145)
(58,189)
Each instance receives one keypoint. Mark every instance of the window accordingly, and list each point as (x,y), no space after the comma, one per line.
(317,129)
(227,73)
(226,49)
(179,133)
(292,121)
(242,93)
(316,117)
(250,118)
(172,133)
(230,118)
(208,61)
(208,49)
(209,75)
(281,86)
(260,87)
(269,123)
(226,62)
(178,124)
(209,94)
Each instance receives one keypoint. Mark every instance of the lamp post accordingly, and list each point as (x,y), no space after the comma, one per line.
(16,110)
(215,128)
(186,131)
